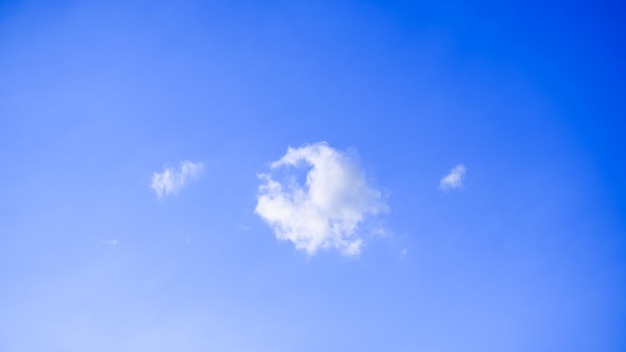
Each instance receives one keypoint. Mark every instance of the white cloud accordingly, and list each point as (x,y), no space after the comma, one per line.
(328,209)
(171,181)
(454,179)
(110,242)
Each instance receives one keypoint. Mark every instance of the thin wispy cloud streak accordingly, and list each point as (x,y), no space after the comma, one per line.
(172,181)
(328,210)
(454,179)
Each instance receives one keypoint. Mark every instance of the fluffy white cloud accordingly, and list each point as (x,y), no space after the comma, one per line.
(110,242)
(328,209)
(454,179)
(171,181)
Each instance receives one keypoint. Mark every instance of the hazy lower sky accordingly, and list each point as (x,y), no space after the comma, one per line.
(312,176)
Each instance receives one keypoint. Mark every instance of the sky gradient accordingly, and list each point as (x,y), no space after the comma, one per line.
(134,136)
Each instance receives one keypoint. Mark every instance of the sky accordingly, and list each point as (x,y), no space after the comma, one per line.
(312,176)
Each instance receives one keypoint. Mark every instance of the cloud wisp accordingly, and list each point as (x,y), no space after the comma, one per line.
(454,179)
(172,181)
(326,211)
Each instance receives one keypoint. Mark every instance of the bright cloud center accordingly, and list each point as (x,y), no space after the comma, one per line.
(327,210)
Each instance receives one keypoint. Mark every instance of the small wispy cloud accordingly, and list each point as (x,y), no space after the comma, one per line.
(110,242)
(325,212)
(172,181)
(454,179)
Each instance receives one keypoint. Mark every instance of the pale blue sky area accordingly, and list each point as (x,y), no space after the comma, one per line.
(524,251)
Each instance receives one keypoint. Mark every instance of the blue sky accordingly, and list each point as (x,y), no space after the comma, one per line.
(525,250)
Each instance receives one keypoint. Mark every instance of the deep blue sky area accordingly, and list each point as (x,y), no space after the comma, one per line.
(488,137)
